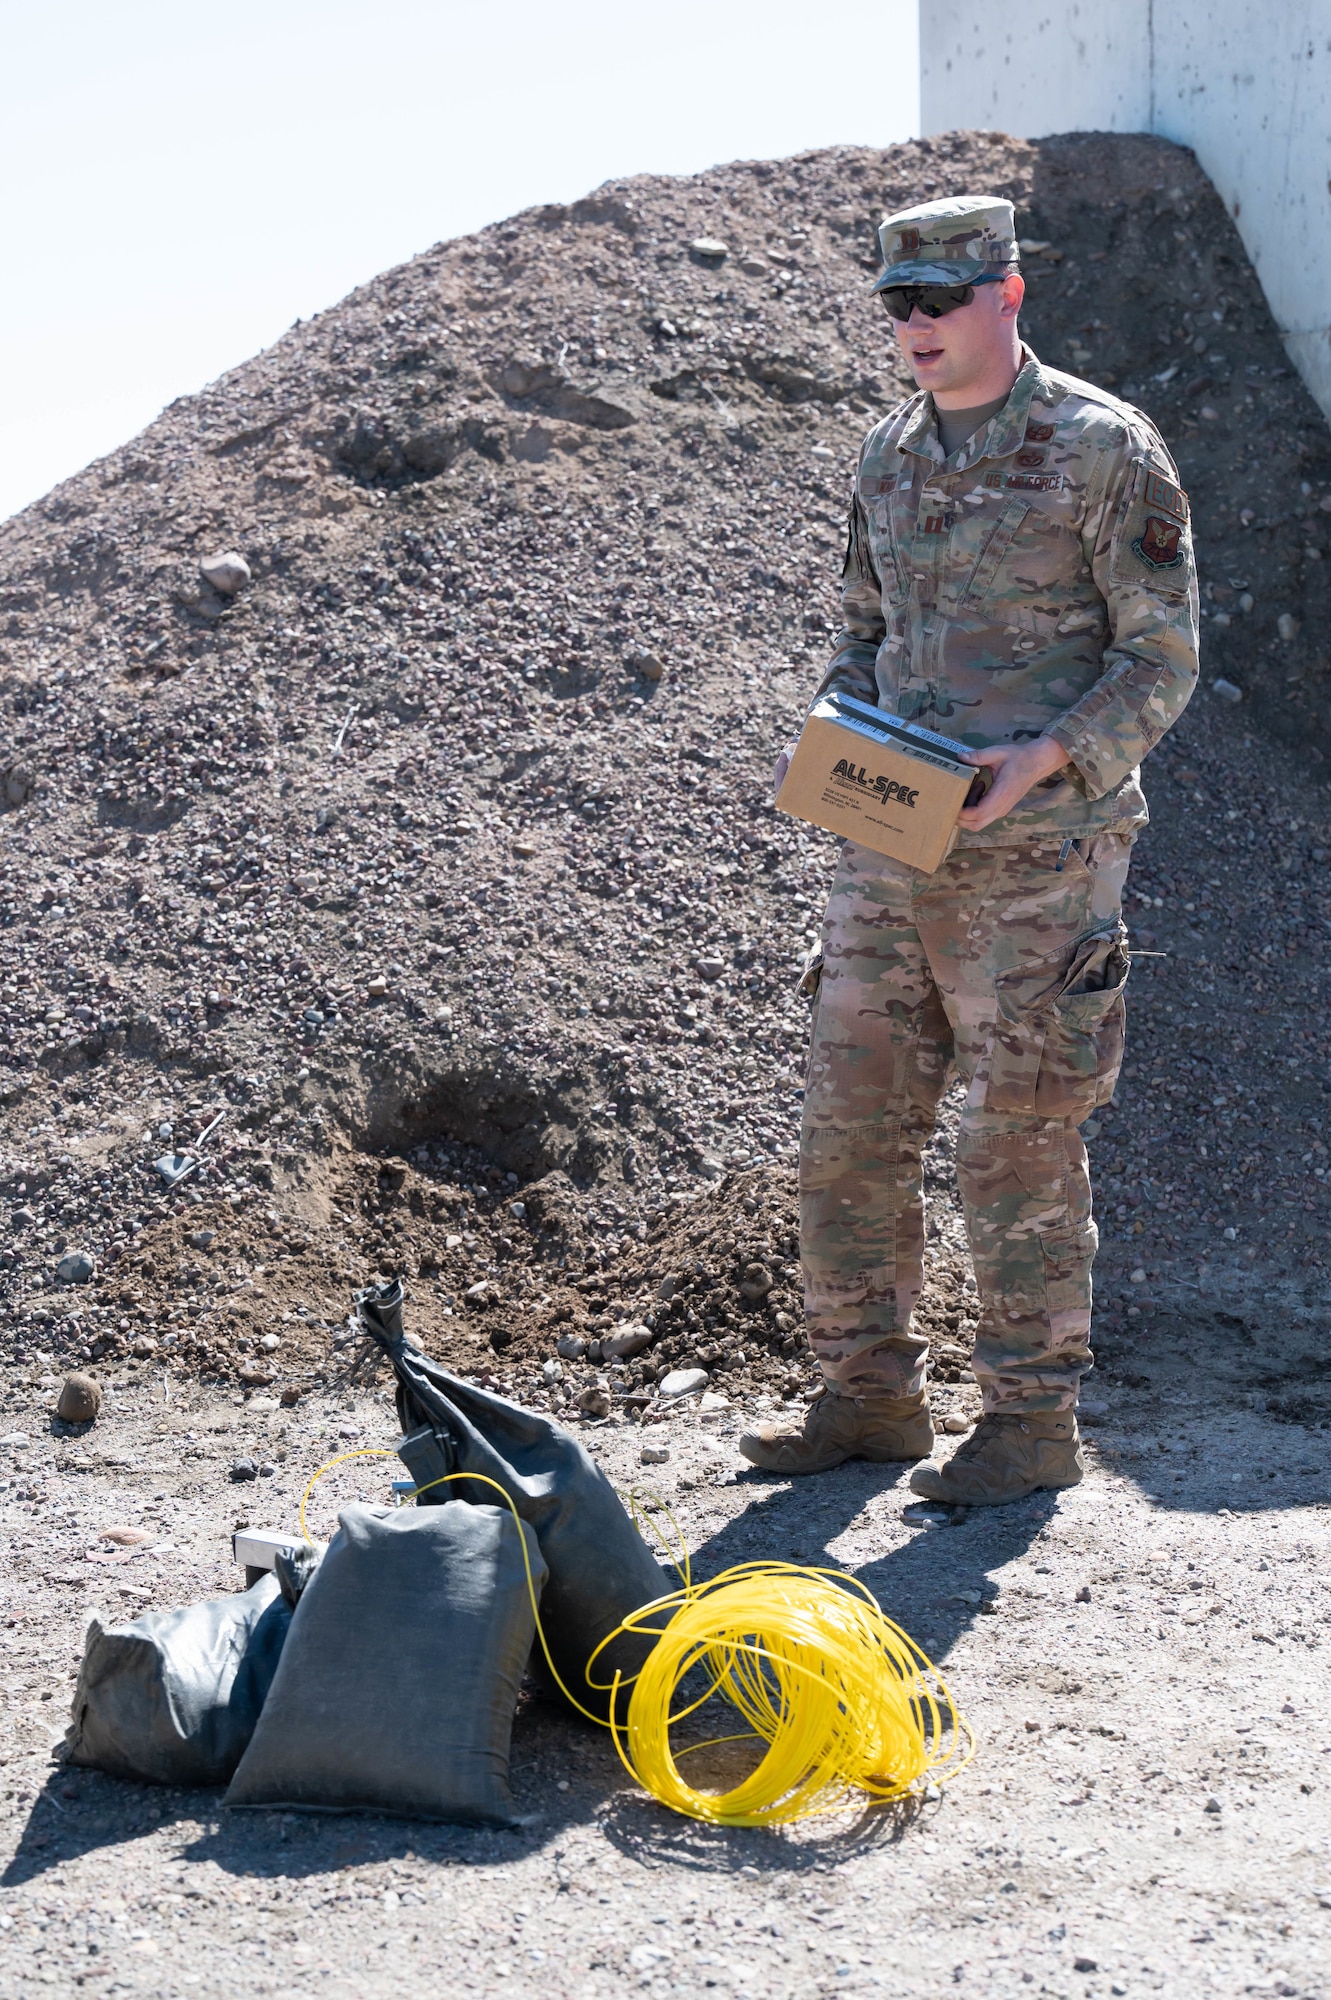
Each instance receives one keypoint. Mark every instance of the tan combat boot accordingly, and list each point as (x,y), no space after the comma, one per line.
(883,1429)
(1008,1455)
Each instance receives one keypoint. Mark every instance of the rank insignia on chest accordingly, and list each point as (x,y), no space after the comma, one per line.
(938,524)
(1170,499)
(1039,433)
(1158,543)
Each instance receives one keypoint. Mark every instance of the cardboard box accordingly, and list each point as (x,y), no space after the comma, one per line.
(867,776)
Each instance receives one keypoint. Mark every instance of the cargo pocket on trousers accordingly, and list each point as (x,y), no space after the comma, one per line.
(1068,1255)
(1058,1036)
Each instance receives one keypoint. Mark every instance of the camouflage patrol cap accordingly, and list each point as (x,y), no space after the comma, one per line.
(961,241)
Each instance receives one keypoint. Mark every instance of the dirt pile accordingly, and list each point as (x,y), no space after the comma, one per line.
(499,1283)
(431,843)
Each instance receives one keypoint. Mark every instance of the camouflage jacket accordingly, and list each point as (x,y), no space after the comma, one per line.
(1038,582)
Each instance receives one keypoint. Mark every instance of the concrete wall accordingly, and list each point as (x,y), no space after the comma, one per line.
(1247,86)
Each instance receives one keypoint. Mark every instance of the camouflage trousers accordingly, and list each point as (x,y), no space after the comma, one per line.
(1012,969)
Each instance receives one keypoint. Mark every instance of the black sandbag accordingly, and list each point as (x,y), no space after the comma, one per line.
(600,1567)
(172,1699)
(401,1672)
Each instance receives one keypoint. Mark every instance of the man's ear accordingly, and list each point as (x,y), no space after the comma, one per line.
(1014,291)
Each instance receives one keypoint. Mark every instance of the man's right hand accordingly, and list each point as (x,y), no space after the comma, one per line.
(784,756)
(1017,768)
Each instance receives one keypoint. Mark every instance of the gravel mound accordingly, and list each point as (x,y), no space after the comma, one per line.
(386,743)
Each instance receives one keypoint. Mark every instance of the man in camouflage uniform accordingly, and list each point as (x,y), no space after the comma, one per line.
(1019,576)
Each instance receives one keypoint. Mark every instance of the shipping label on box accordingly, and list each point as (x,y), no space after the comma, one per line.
(870,777)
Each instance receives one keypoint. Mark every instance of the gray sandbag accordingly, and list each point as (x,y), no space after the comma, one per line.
(172,1699)
(600,1567)
(400,1674)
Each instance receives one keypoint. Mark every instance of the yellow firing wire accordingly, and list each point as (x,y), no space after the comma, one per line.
(849,1707)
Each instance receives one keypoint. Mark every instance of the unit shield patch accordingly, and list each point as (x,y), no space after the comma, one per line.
(1158,543)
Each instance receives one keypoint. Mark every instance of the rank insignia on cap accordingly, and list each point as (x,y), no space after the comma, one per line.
(1158,543)
(965,239)
(1169,498)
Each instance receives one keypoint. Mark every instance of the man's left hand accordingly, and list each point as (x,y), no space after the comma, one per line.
(1016,768)
(783,757)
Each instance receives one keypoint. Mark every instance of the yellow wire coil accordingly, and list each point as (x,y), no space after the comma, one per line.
(846,1703)
(849,1707)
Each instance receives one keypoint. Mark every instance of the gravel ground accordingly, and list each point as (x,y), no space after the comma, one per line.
(438,858)
(1143,1659)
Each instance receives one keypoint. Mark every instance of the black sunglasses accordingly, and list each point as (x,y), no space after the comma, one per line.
(933,300)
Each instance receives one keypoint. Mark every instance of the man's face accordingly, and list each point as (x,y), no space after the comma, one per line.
(964,347)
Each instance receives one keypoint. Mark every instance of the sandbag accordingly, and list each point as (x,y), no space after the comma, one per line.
(401,1671)
(600,1567)
(172,1699)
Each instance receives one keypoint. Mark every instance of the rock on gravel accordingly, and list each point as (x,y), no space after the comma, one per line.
(80,1400)
(227,573)
(684,1382)
(627,1339)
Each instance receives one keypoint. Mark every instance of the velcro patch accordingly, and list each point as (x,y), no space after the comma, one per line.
(1026,482)
(1039,433)
(1152,542)
(1027,460)
(874,485)
(1162,493)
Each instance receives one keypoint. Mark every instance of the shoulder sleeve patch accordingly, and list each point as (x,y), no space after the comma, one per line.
(1150,536)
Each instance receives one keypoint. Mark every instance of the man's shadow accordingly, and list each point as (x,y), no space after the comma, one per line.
(936,1585)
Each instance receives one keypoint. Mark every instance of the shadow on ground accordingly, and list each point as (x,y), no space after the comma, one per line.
(1181,1423)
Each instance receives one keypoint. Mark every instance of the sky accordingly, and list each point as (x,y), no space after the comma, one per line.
(183,182)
